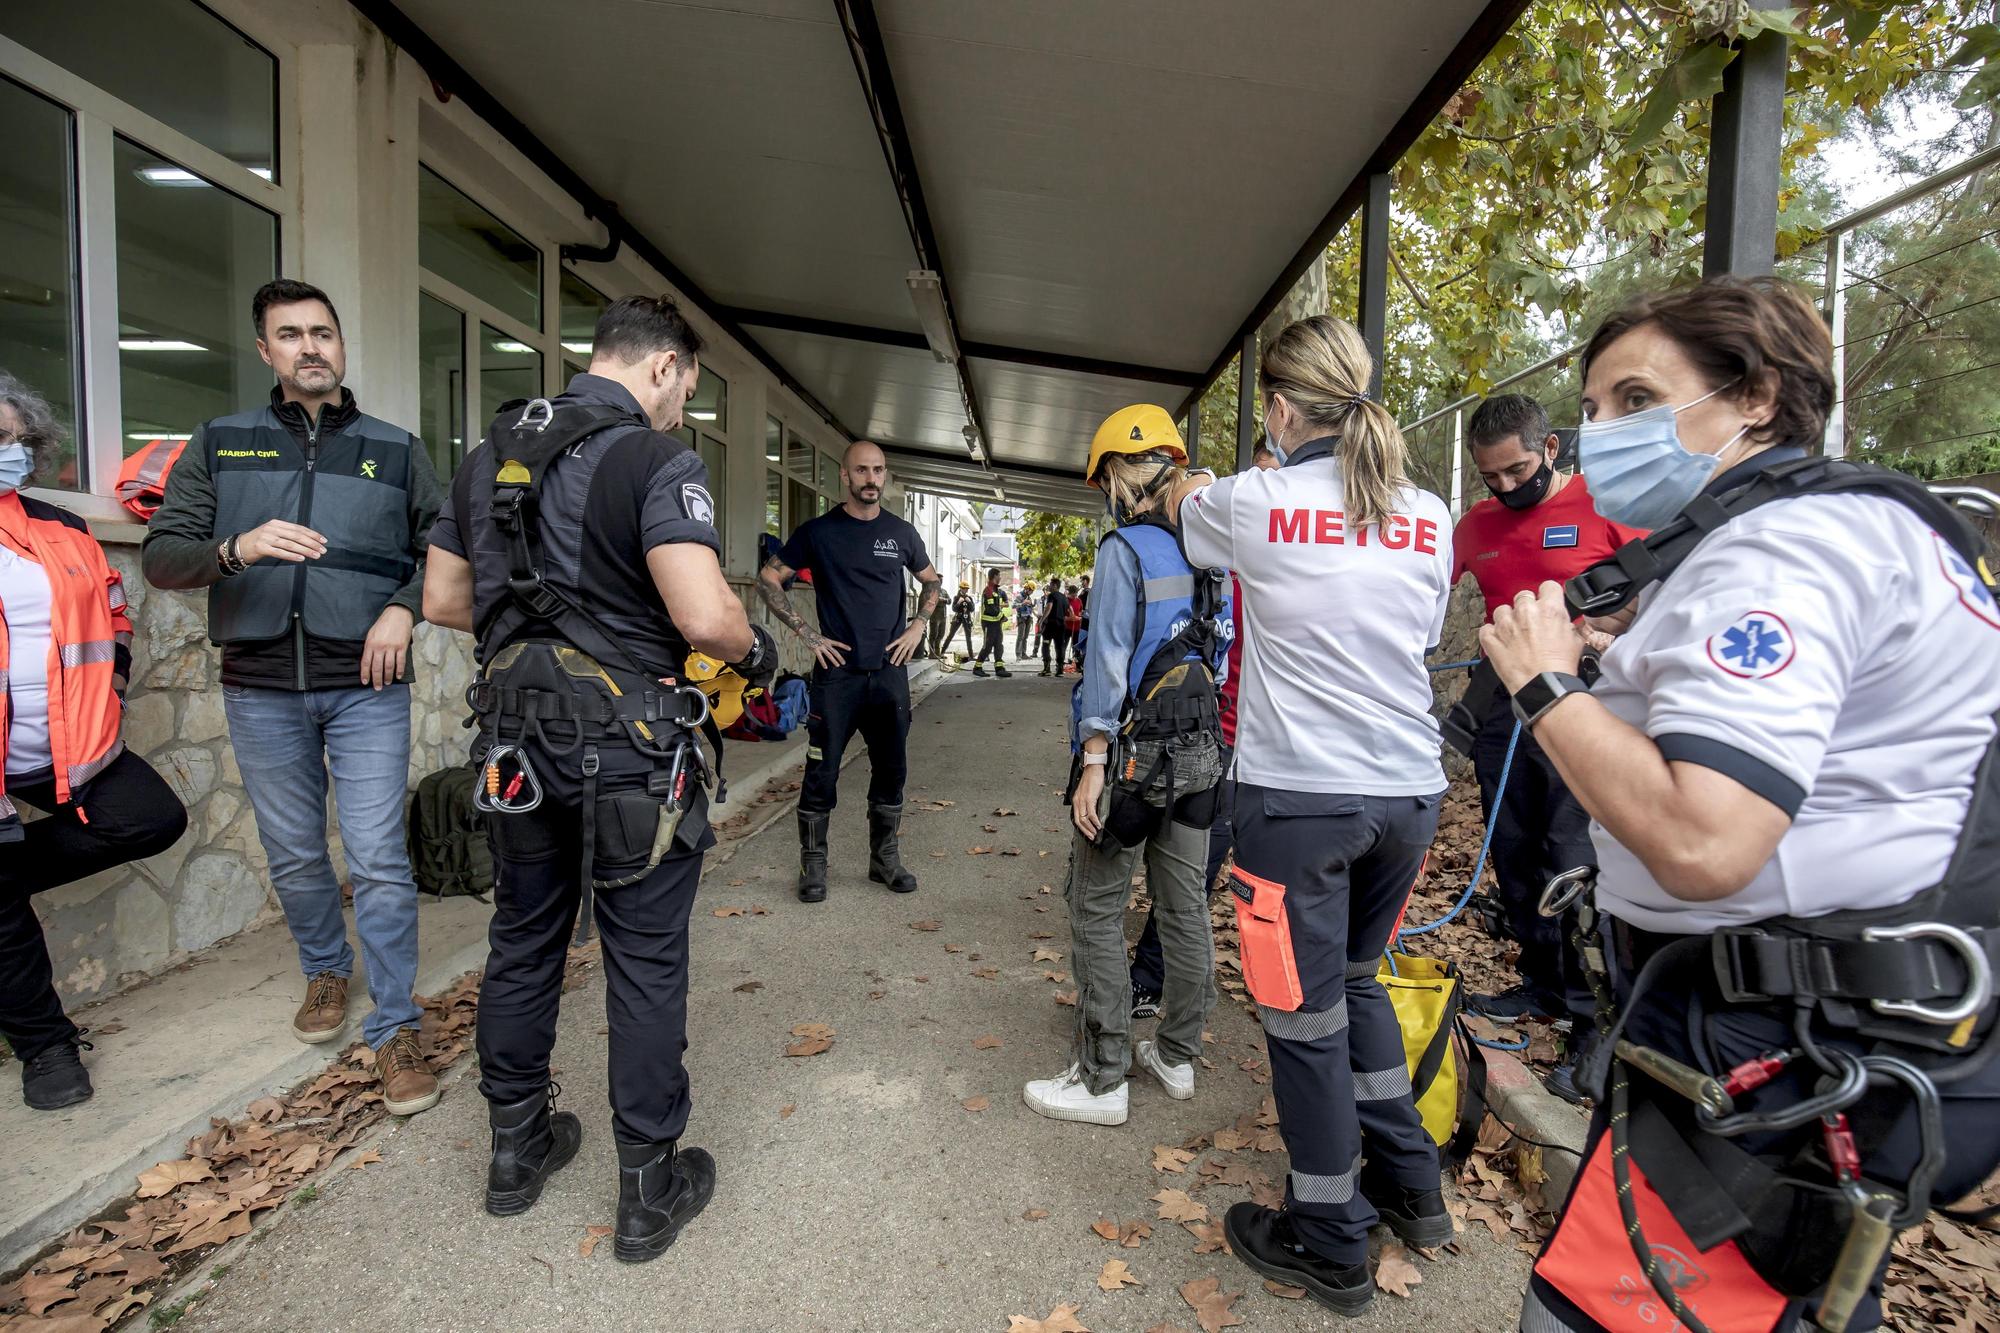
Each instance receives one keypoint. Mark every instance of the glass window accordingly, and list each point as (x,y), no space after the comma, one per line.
(800,504)
(37,290)
(175,61)
(582,304)
(822,504)
(508,369)
(774,502)
(710,404)
(829,477)
(466,245)
(774,440)
(189,259)
(798,456)
(715,457)
(441,382)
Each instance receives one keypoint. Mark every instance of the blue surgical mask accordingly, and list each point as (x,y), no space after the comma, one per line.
(1638,471)
(1271,442)
(16,464)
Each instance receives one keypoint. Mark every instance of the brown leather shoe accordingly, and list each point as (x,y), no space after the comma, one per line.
(408,1085)
(324,1013)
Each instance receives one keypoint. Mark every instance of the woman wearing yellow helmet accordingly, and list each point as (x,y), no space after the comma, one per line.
(1146,737)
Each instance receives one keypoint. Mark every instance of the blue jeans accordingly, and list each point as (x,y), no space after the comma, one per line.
(286,742)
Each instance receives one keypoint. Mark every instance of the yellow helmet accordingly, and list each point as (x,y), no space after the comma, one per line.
(1138,429)
(1030,585)
(963,584)
(723,687)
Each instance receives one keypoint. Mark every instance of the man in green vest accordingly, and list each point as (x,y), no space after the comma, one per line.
(307,522)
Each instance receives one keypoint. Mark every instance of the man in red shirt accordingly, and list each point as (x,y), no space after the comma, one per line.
(1538,524)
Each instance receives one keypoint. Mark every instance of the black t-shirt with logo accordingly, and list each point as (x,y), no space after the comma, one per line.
(857,574)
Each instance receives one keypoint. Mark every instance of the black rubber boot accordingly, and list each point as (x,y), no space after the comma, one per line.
(659,1192)
(531,1142)
(56,1078)
(1416,1215)
(885,849)
(1000,670)
(978,669)
(812,856)
(1263,1238)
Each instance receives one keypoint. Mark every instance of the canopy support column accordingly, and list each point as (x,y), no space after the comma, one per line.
(1746,136)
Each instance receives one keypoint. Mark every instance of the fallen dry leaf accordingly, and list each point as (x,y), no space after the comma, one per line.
(159,1179)
(987,1043)
(925,925)
(954,948)
(1116,1276)
(1062,1319)
(591,1236)
(1004,813)
(1067,997)
(1106,1228)
(813,1038)
(940,854)
(975,1103)
(1283,1292)
(1034,1214)
(1211,1304)
(988,973)
(748,988)
(367,1159)
(979,851)
(1208,1236)
(785,1111)
(728,911)
(1133,1232)
(1176,1206)
(1171,1159)
(1395,1273)
(989,828)
(1047,956)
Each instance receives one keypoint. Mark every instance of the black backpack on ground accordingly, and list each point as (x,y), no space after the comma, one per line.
(449,854)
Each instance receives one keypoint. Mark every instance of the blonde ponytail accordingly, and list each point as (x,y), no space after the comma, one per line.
(1322,367)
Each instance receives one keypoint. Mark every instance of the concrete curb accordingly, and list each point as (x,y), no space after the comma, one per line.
(109,1181)
(1519,1101)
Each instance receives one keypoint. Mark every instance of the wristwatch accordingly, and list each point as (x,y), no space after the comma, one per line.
(1534,699)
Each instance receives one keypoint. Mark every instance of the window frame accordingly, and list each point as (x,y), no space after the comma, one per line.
(97,120)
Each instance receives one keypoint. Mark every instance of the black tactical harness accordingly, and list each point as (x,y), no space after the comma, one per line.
(553,672)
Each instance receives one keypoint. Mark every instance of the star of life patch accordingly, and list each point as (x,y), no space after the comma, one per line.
(1756,646)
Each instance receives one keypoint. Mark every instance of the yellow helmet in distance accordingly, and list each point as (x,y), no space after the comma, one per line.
(1139,429)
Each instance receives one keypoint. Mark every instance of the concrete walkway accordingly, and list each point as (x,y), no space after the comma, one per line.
(856,1190)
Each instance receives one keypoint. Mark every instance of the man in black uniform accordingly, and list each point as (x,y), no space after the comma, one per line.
(961,616)
(857,555)
(580,546)
(993,624)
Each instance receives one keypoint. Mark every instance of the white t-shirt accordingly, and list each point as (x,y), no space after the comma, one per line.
(1833,654)
(24,601)
(1336,622)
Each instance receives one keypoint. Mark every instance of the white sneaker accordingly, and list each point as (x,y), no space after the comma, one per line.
(1068,1097)
(1178,1080)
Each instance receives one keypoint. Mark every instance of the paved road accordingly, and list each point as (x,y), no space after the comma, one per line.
(877,1202)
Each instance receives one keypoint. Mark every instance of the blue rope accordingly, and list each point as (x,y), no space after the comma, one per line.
(1453,666)
(1485,846)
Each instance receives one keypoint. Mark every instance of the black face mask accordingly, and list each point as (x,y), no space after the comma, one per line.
(1530,492)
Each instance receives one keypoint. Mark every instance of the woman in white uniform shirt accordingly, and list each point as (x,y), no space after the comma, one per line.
(1788,727)
(1345,570)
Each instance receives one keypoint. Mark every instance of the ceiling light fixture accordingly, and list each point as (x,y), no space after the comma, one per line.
(158,345)
(156,435)
(701,416)
(509,345)
(181,178)
(581,349)
(927,294)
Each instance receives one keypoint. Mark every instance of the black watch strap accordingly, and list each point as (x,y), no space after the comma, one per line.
(1544,692)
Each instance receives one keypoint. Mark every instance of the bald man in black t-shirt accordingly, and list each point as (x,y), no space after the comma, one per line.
(858,556)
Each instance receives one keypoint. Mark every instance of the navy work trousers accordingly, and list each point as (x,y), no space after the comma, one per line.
(1539,831)
(1342,1083)
(846,700)
(644,927)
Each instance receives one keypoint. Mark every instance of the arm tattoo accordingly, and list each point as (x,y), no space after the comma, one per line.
(779,601)
(933,593)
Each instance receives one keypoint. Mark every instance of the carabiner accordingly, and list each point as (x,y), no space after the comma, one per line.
(1561,893)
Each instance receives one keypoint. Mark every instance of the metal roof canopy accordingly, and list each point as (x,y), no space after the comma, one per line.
(796,159)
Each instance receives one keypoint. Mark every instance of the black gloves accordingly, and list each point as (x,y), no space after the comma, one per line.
(760,664)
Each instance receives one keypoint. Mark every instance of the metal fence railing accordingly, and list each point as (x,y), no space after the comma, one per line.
(1910,287)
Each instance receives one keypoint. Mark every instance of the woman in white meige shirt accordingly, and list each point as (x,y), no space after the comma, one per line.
(64,655)
(1344,568)
(1788,727)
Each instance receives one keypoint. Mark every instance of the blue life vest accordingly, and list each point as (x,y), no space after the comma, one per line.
(1184,631)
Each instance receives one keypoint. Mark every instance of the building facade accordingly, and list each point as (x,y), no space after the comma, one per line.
(165,159)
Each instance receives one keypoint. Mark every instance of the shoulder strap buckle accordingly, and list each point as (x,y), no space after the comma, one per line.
(537,416)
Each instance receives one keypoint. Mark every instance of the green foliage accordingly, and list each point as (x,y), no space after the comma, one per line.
(169,1315)
(1058,545)
(1970,459)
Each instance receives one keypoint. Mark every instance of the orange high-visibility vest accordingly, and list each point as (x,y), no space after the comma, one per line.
(142,481)
(90,642)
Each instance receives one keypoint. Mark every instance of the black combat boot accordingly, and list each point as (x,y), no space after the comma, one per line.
(1263,1238)
(812,856)
(1416,1215)
(531,1142)
(56,1078)
(659,1192)
(885,851)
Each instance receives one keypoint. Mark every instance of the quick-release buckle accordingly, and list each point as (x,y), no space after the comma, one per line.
(1590,594)
(1978,973)
(1725,953)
